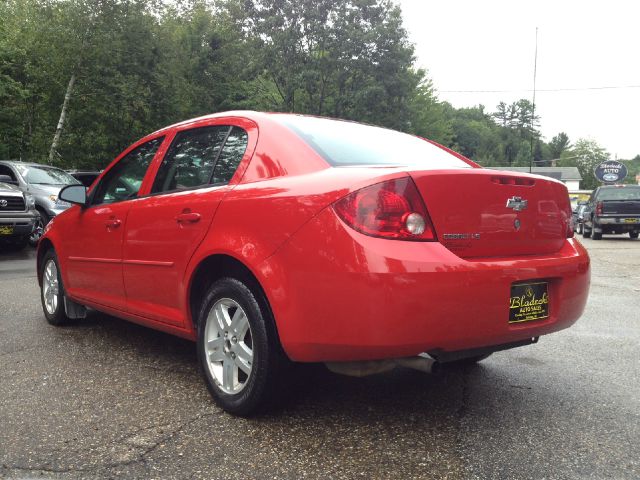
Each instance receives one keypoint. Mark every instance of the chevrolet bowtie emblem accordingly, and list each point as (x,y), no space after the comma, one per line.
(517,203)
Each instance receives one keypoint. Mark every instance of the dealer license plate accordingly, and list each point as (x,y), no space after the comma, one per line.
(6,230)
(630,220)
(529,301)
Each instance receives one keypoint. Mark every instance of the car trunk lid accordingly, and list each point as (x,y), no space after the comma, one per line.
(487,213)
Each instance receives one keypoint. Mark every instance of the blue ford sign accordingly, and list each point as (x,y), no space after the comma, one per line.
(611,171)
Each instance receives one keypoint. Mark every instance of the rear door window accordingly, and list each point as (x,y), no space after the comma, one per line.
(200,157)
(230,157)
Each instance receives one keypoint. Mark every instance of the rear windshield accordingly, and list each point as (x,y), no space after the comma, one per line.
(619,193)
(347,144)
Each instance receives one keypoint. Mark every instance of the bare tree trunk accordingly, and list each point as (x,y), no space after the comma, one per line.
(63,115)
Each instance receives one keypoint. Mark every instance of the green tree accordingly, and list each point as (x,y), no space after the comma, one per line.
(586,154)
(427,115)
(558,145)
(347,59)
(633,168)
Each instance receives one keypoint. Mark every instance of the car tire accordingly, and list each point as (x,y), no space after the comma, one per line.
(238,351)
(38,230)
(52,290)
(597,235)
(580,228)
(633,234)
(586,233)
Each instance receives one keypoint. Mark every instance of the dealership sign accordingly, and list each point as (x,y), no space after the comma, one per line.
(611,171)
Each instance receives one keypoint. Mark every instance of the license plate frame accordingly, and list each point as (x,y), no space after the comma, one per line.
(6,229)
(529,301)
(631,220)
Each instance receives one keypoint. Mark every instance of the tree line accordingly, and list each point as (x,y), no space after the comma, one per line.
(81,79)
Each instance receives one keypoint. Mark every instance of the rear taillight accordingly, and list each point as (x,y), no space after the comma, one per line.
(570,224)
(599,208)
(392,209)
(570,227)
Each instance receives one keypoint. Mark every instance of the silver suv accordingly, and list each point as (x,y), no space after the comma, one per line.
(18,216)
(43,182)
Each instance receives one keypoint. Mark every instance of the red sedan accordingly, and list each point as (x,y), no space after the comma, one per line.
(269,238)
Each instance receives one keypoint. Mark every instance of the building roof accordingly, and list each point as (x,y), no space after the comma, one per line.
(559,173)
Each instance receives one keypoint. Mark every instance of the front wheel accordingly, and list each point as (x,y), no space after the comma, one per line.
(52,290)
(633,234)
(238,350)
(38,230)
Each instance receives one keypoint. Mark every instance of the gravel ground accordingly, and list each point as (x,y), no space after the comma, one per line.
(103,398)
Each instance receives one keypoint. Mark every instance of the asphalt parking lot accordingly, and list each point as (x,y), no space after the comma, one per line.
(107,399)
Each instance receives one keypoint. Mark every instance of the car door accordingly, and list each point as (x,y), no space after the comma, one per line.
(165,228)
(94,235)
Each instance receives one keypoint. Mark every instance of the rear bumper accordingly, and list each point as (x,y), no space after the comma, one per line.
(628,223)
(355,297)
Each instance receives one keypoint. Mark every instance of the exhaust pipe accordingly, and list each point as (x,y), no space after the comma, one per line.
(422,362)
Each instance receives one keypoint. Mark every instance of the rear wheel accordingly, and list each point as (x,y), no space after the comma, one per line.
(579,228)
(586,232)
(633,234)
(597,235)
(238,350)
(52,290)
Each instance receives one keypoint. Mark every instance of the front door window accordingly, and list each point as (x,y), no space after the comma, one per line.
(123,181)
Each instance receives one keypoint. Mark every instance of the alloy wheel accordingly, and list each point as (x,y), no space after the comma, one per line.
(37,232)
(50,287)
(228,345)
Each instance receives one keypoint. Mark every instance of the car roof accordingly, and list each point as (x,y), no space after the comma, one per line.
(28,164)
(250,115)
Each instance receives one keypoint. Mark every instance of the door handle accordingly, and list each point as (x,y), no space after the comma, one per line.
(188,217)
(113,223)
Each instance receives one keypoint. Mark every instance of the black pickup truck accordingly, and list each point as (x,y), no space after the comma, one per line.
(612,209)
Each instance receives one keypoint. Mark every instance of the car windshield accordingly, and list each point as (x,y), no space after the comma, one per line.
(41,175)
(348,144)
(619,193)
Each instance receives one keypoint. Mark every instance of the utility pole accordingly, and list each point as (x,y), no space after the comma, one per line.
(533,109)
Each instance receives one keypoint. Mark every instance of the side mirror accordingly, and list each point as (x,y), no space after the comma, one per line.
(76,194)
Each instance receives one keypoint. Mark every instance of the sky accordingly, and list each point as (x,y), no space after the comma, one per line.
(582,45)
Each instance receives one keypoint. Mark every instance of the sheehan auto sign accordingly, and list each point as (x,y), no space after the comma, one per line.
(611,171)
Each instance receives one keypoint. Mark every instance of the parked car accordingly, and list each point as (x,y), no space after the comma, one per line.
(84,176)
(18,216)
(270,238)
(578,219)
(612,209)
(43,182)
